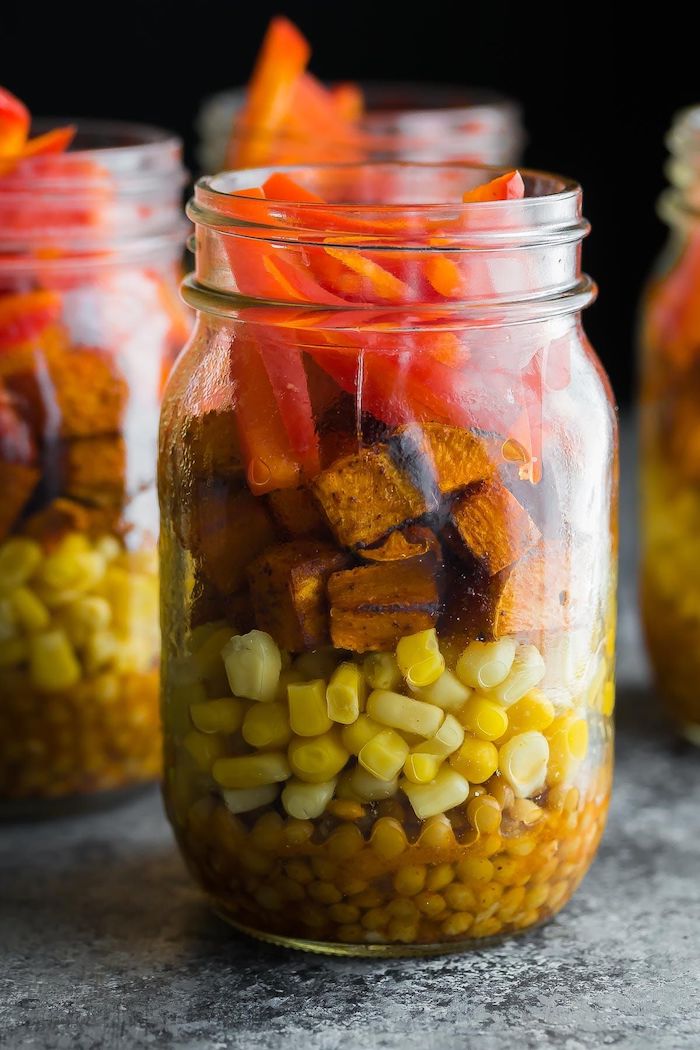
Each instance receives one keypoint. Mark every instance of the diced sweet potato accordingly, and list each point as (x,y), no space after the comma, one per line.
(493,527)
(226,531)
(364,496)
(89,390)
(94,470)
(210,445)
(17,482)
(296,513)
(373,606)
(58,519)
(288,591)
(535,594)
(451,458)
(412,542)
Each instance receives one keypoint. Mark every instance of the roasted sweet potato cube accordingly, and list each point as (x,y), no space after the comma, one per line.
(227,530)
(493,527)
(89,390)
(373,606)
(297,513)
(535,594)
(450,458)
(94,470)
(210,445)
(17,482)
(365,495)
(414,541)
(288,592)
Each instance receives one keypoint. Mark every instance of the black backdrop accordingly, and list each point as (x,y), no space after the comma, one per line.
(598,89)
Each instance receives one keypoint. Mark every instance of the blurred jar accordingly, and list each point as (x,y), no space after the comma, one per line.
(670,438)
(90,322)
(403,121)
(388,497)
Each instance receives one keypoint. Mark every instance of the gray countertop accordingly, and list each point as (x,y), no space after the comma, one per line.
(104,942)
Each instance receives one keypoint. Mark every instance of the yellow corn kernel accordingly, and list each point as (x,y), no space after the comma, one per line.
(30,613)
(384,755)
(99,650)
(359,733)
(448,789)
(306,801)
(267,725)
(388,839)
(523,762)
(525,811)
(345,694)
(568,745)
(484,718)
(247,771)
(206,659)
(382,671)
(317,759)
(368,788)
(437,834)
(421,769)
(533,712)
(13,652)
(445,742)
(204,749)
(410,879)
(53,665)
(19,559)
(136,653)
(109,547)
(243,800)
(84,616)
(344,809)
(253,665)
(217,716)
(69,572)
(484,665)
(199,635)
(446,692)
(484,814)
(402,712)
(318,664)
(419,658)
(8,626)
(308,712)
(287,676)
(528,669)
(477,760)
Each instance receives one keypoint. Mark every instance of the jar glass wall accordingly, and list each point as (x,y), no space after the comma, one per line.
(403,121)
(90,322)
(387,481)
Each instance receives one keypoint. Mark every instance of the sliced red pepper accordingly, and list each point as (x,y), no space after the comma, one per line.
(14,124)
(509,187)
(282,60)
(270,462)
(285,370)
(348,100)
(280,187)
(55,141)
(314,112)
(25,316)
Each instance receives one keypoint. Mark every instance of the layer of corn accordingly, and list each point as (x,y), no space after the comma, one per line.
(671,592)
(422,793)
(79,651)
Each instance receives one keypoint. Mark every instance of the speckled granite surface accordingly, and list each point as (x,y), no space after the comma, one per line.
(104,943)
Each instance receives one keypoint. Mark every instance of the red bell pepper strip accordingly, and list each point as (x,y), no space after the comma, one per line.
(348,100)
(281,62)
(14,124)
(55,141)
(270,462)
(509,187)
(25,316)
(314,112)
(280,187)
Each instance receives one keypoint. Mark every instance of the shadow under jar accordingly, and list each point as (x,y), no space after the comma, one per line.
(388,489)
(670,439)
(403,121)
(90,323)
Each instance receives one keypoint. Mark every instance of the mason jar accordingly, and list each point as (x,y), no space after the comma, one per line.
(90,322)
(388,488)
(403,121)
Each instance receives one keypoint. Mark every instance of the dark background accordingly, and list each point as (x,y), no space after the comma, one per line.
(598,89)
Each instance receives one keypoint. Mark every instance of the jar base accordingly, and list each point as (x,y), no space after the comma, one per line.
(23,810)
(374,951)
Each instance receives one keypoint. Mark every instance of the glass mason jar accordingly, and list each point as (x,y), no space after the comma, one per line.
(388,546)
(404,121)
(90,322)
(670,438)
